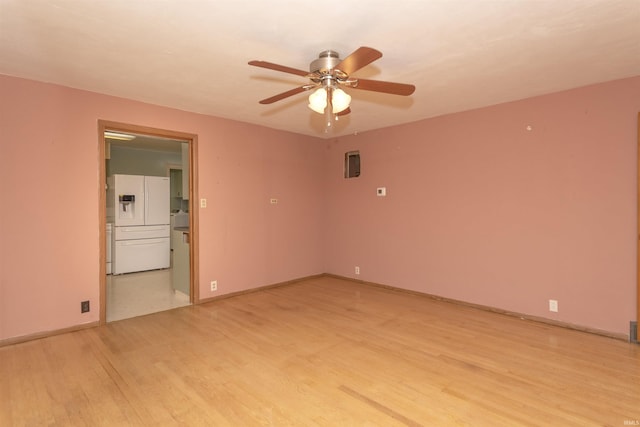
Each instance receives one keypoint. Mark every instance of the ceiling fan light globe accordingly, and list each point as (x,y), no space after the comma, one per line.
(340,101)
(316,109)
(318,100)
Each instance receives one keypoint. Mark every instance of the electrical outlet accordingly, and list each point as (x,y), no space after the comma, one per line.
(553,305)
(357,270)
(214,285)
(203,203)
(84,307)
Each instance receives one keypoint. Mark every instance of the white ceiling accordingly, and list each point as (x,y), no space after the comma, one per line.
(193,54)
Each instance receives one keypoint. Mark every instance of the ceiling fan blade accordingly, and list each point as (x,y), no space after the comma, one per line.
(286,94)
(277,67)
(344,112)
(362,57)
(385,87)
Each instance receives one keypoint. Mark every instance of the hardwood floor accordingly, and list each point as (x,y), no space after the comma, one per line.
(325,352)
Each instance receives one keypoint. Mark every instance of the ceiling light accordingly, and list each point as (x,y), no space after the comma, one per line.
(119,136)
(318,100)
(340,100)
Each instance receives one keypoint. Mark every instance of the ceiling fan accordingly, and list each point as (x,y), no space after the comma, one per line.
(328,74)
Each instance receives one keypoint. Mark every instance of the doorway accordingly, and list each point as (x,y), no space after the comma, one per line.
(637,337)
(158,149)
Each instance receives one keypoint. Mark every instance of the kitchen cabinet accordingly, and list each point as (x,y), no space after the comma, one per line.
(180,273)
(176,183)
(185,171)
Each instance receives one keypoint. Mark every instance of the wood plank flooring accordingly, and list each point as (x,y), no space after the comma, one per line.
(322,352)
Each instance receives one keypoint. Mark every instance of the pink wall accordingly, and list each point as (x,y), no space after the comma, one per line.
(49,190)
(478,208)
(482,210)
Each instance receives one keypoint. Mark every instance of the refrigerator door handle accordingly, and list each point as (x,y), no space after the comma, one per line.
(143,229)
(139,243)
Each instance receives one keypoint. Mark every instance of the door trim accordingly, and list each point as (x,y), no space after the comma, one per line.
(192,140)
(638,235)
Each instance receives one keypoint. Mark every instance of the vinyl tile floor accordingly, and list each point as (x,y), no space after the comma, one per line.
(136,294)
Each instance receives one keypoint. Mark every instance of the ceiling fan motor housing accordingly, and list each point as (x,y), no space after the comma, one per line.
(327,60)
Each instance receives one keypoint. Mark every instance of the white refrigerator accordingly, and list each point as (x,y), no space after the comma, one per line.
(139,208)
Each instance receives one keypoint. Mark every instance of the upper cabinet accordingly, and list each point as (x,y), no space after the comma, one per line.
(185,171)
(176,182)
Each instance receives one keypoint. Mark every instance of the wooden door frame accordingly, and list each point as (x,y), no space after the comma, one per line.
(638,234)
(192,140)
